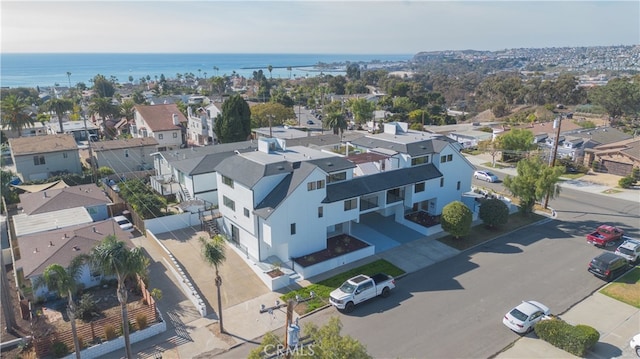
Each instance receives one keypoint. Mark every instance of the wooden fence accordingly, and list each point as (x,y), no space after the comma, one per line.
(94,331)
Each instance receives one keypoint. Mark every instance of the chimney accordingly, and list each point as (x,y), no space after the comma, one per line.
(175,119)
(35,250)
(50,244)
(95,230)
(44,193)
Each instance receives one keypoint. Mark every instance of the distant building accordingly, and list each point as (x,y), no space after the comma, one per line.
(41,157)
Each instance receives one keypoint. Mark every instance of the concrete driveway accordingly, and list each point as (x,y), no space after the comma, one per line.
(239,282)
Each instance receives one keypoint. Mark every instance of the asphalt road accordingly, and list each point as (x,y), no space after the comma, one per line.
(454,308)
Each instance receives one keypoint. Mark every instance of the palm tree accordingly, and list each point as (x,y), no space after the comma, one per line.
(335,118)
(289,69)
(216,69)
(213,253)
(270,68)
(112,258)
(127,109)
(65,282)
(69,77)
(59,106)
(14,114)
(103,107)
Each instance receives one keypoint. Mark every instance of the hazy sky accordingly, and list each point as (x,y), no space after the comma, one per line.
(331,27)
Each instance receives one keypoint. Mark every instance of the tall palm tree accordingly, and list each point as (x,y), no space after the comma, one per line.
(69,77)
(59,106)
(103,107)
(113,258)
(213,253)
(14,114)
(65,282)
(270,68)
(335,118)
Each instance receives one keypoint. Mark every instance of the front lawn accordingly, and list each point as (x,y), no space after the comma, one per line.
(323,288)
(626,288)
(481,233)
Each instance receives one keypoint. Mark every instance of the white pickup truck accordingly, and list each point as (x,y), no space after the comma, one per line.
(360,288)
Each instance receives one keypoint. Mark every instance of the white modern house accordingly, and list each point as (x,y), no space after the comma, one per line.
(162,122)
(200,126)
(282,202)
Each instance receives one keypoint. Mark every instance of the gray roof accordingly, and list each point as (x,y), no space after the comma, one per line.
(199,160)
(28,224)
(284,189)
(56,199)
(62,245)
(248,172)
(332,164)
(379,182)
(414,149)
(601,136)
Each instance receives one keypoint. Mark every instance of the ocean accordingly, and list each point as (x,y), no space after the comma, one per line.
(44,70)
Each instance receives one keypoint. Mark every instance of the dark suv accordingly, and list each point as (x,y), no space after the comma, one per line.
(608,266)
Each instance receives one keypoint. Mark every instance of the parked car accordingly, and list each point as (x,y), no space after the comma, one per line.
(360,288)
(485,176)
(124,223)
(309,122)
(608,266)
(629,250)
(635,344)
(524,317)
(605,235)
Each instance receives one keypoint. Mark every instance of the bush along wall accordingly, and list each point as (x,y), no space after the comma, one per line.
(573,339)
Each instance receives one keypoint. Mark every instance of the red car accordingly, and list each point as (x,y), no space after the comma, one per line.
(605,235)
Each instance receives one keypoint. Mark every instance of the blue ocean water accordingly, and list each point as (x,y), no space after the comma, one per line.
(31,70)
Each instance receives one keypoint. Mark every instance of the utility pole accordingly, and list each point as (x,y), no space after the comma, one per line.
(557,122)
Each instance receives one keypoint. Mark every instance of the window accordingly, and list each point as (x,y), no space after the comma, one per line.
(350,204)
(336,177)
(441,181)
(246,212)
(320,184)
(293,228)
(419,187)
(228,181)
(65,155)
(229,203)
(458,185)
(419,160)
(38,160)
(175,135)
(449,158)
(126,153)
(320,212)
(160,136)
(311,186)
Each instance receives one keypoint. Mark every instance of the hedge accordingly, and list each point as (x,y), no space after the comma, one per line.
(573,339)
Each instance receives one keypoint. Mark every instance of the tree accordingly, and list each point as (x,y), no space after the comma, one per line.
(514,143)
(260,114)
(535,180)
(456,219)
(213,253)
(145,202)
(618,97)
(59,106)
(103,87)
(493,212)
(103,107)
(113,258)
(65,282)
(127,109)
(335,118)
(491,147)
(270,68)
(327,343)
(234,123)
(14,114)
(362,110)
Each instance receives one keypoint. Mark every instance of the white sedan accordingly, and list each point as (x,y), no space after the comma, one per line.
(485,176)
(522,318)
(635,344)
(124,223)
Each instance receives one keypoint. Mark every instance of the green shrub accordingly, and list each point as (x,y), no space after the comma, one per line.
(626,182)
(575,340)
(493,212)
(60,349)
(86,307)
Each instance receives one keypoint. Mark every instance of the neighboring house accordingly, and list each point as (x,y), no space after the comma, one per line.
(286,201)
(59,246)
(88,196)
(189,173)
(42,222)
(162,122)
(200,127)
(470,138)
(78,129)
(128,155)
(37,129)
(283,132)
(618,158)
(40,157)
